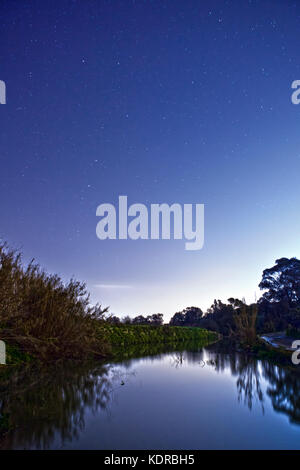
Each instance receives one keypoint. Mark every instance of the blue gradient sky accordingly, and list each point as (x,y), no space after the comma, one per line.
(163,101)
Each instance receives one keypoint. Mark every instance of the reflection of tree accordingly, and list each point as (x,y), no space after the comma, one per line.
(177,359)
(246,369)
(136,352)
(44,404)
(283,382)
(192,356)
(44,407)
(248,383)
(284,390)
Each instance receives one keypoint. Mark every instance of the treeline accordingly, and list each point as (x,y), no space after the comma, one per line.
(278,309)
(233,319)
(50,319)
(156,320)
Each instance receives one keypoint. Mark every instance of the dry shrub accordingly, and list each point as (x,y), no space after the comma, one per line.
(43,315)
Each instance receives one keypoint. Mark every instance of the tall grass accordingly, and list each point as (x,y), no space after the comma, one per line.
(45,316)
(125,335)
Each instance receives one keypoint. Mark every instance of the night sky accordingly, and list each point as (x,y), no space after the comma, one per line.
(163,101)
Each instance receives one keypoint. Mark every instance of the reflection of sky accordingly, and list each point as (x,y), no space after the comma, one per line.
(196,110)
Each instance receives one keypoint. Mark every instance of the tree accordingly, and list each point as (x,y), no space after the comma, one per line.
(245,321)
(193,316)
(113,319)
(155,319)
(190,316)
(282,282)
(219,317)
(177,319)
(140,320)
(127,320)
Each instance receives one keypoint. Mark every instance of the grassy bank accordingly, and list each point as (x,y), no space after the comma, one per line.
(124,341)
(124,335)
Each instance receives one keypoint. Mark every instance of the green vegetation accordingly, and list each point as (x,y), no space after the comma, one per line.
(15,356)
(124,335)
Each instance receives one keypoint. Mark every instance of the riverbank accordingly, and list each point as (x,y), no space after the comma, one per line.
(279,340)
(121,338)
(127,341)
(260,349)
(118,403)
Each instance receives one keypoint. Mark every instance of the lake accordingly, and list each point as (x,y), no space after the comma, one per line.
(193,398)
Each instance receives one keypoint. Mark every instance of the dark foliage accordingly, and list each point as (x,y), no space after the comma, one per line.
(282,282)
(279,306)
(190,316)
(156,319)
(220,317)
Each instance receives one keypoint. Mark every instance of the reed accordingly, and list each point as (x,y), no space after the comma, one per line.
(45,316)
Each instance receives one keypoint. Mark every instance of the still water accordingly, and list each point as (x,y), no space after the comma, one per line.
(197,398)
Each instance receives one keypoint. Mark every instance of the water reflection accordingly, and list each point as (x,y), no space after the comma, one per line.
(248,373)
(284,390)
(41,404)
(283,382)
(43,407)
